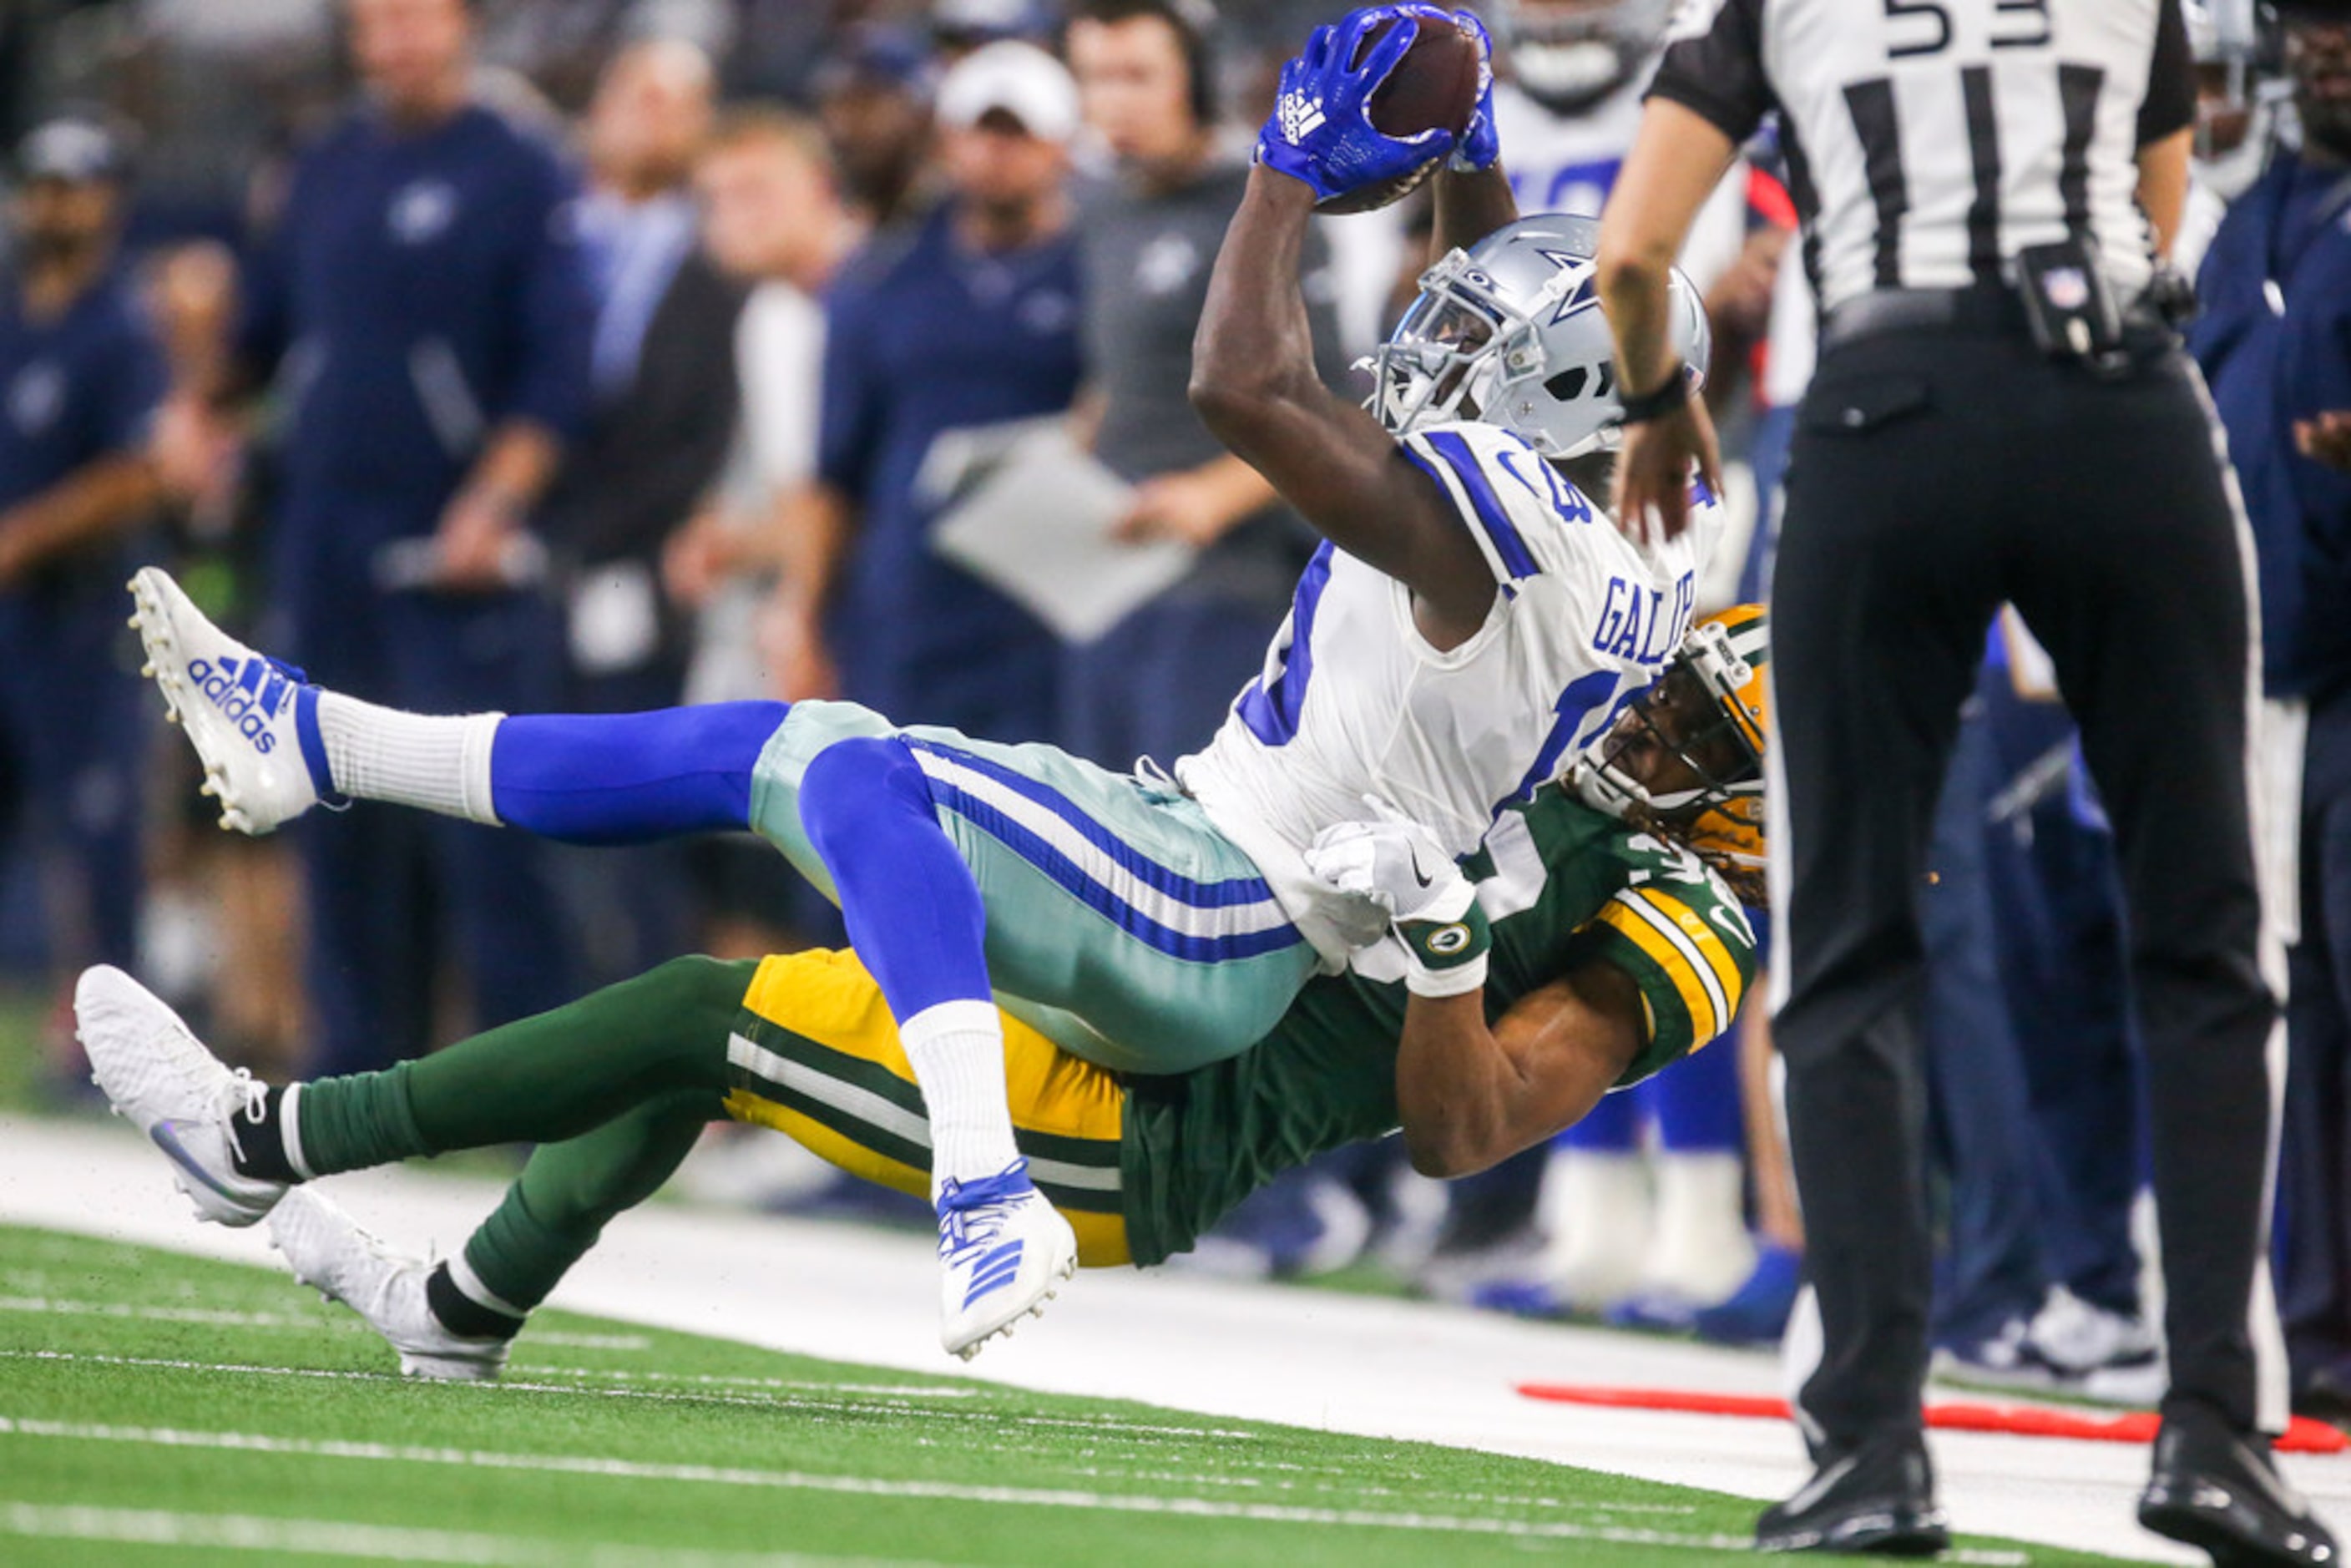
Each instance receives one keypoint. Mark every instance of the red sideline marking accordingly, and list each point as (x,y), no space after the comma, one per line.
(2304,1436)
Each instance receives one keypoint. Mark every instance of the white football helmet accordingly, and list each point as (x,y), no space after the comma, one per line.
(1568,55)
(1511,332)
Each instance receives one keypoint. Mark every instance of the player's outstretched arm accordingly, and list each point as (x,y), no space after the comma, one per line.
(1253,376)
(1471,1096)
(1254,384)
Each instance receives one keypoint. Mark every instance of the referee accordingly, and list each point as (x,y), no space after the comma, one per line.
(2002,412)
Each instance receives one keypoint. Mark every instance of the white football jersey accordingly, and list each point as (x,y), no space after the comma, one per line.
(1569,163)
(1354,701)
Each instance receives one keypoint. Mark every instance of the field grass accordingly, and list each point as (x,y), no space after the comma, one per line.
(159,1408)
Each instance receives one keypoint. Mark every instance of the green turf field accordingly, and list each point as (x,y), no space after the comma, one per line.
(160,1408)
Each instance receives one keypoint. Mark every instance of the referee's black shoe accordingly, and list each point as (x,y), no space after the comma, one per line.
(1878,1498)
(2216,1488)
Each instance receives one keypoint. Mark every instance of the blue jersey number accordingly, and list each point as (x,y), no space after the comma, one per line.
(1576,705)
(1271,704)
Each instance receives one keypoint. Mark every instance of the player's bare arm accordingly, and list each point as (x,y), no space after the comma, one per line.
(1471,204)
(1678,159)
(1253,378)
(1470,1096)
(1254,384)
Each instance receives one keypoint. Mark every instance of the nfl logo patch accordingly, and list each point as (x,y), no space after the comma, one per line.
(2067,287)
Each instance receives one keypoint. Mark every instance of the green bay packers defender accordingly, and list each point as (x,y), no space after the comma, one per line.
(1591,941)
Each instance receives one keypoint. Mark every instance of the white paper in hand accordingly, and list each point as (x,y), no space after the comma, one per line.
(1036,527)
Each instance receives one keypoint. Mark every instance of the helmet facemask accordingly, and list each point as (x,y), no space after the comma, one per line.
(1440,363)
(1686,758)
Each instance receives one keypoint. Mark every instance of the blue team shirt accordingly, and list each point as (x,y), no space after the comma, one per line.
(75,389)
(2267,369)
(921,337)
(419,288)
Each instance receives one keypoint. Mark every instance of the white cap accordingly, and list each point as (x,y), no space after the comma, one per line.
(1021,80)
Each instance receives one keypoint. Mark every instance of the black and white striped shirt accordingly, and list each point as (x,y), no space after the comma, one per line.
(1927,141)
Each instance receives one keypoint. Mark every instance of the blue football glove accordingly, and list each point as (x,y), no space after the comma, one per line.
(1481,144)
(1321,132)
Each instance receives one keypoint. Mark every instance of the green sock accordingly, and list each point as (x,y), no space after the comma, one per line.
(540,1079)
(560,1205)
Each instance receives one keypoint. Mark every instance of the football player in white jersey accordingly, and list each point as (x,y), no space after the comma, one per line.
(1567,105)
(1476,622)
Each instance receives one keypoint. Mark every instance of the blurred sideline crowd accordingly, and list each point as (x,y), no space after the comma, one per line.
(602,355)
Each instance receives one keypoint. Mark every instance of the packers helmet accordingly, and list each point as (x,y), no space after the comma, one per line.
(1706,713)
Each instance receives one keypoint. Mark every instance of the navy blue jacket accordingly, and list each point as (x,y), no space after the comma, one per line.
(2275,341)
(420,289)
(74,389)
(921,337)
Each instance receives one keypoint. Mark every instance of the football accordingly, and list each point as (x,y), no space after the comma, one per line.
(1434,87)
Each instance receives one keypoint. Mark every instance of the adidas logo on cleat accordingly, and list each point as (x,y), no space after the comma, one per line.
(248,697)
(994,1272)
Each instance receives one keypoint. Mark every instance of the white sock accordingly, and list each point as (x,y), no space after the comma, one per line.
(433,763)
(957,1050)
(1700,1248)
(290,1131)
(1593,1206)
(469,1285)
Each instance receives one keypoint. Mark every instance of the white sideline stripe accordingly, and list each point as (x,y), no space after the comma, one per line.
(935,1492)
(333,1538)
(221,1317)
(1189,920)
(872,1109)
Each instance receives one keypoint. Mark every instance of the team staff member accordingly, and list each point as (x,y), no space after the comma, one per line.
(967,319)
(1998,415)
(80,376)
(424,293)
(1159,683)
(2276,285)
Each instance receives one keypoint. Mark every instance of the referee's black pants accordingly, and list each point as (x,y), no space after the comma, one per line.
(1936,472)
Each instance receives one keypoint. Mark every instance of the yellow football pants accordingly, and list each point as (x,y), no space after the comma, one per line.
(815,1054)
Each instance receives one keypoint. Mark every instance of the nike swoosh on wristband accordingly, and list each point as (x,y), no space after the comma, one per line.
(167,1139)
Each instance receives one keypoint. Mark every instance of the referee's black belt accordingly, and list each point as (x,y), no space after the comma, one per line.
(1983,307)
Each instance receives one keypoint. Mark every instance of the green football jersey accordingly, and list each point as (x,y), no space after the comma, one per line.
(1563,884)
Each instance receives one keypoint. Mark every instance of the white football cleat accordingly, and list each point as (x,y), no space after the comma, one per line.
(1003,1253)
(329,1251)
(159,1075)
(244,712)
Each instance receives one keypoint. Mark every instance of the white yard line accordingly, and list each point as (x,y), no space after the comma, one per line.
(923,1490)
(333,1538)
(1316,1359)
(223,1318)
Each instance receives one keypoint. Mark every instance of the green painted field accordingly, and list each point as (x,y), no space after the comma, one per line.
(155,1409)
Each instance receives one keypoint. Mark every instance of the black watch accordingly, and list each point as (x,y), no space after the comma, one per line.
(1671,393)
